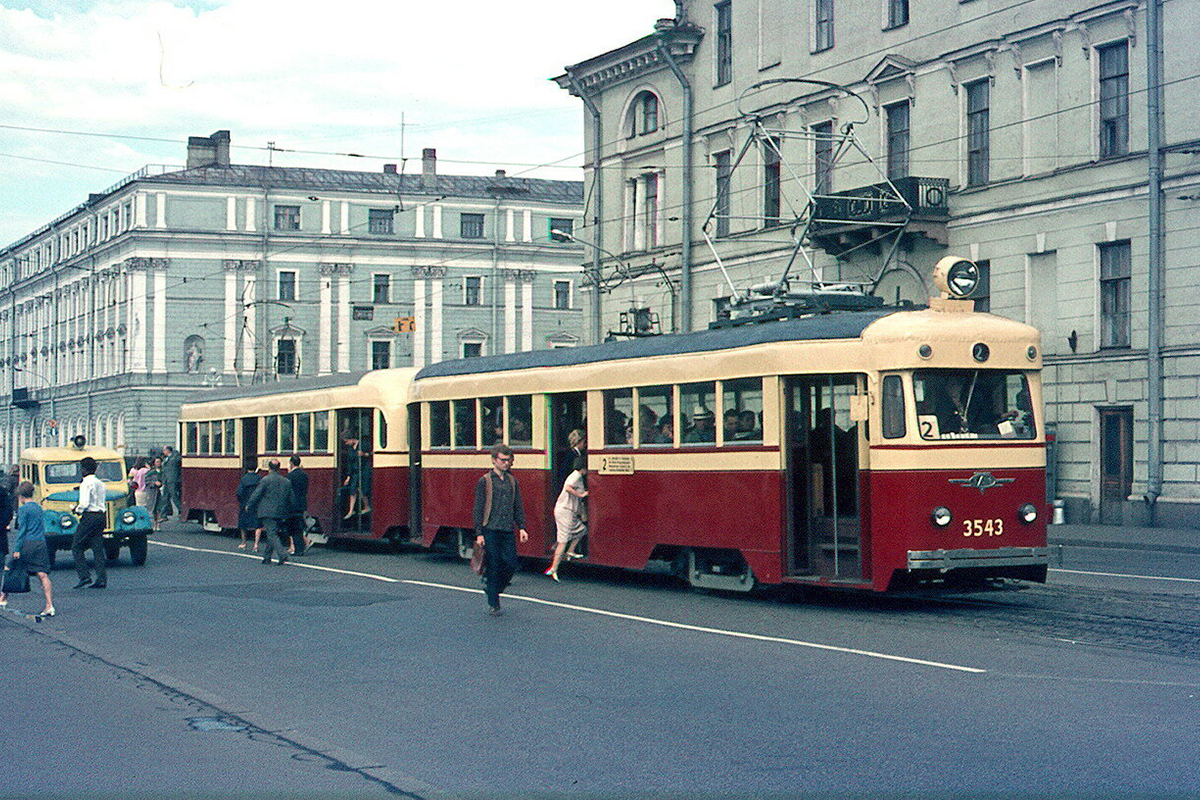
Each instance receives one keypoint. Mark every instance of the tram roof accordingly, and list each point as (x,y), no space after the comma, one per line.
(282,386)
(839,325)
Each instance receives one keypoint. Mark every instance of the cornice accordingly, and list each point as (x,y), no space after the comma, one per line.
(633,60)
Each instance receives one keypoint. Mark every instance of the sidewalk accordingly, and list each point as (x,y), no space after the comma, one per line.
(1163,540)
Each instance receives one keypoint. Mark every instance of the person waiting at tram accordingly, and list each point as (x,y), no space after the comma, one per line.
(703,428)
(357,484)
(247,520)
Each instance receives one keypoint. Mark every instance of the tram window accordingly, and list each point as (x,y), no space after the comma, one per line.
(973,404)
(272,431)
(656,423)
(464,425)
(191,442)
(618,417)
(287,430)
(893,407)
(218,438)
(491,417)
(439,424)
(696,417)
(303,433)
(321,432)
(230,438)
(381,429)
(520,421)
(203,448)
(742,400)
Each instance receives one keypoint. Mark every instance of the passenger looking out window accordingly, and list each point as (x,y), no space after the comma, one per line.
(618,417)
(654,411)
(743,402)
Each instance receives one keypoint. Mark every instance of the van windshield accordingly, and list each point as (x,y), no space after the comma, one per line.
(70,472)
(973,404)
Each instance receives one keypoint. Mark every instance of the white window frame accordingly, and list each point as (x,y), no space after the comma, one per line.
(466,278)
(570,294)
(371,342)
(388,277)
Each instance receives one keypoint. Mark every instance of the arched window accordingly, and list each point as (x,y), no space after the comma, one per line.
(643,114)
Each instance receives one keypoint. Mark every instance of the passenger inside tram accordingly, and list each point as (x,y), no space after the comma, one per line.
(748,428)
(703,428)
(648,425)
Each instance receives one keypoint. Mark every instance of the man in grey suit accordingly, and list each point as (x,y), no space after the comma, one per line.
(171,501)
(272,502)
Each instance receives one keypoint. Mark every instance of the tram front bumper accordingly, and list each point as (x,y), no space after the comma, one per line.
(946,560)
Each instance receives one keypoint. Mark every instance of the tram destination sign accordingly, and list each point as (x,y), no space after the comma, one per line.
(618,464)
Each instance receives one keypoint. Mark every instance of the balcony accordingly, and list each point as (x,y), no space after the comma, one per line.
(868,217)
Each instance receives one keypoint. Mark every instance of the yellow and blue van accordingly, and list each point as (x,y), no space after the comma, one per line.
(55,473)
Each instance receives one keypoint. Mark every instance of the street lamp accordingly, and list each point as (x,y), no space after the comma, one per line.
(49,389)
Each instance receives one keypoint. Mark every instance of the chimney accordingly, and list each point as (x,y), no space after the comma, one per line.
(389,169)
(208,151)
(429,168)
(501,173)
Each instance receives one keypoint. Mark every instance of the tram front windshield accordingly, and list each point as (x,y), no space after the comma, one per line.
(973,404)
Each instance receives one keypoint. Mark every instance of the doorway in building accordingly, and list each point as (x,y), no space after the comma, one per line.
(822,482)
(1116,463)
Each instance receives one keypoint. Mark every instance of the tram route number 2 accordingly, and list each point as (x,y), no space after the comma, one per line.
(983,527)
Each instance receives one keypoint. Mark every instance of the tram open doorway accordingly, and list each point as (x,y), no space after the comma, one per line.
(823,442)
(356,438)
(249,443)
(568,412)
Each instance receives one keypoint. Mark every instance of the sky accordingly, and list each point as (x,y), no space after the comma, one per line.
(470,78)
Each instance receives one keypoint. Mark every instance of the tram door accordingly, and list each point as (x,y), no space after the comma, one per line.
(414,471)
(822,476)
(568,412)
(249,443)
(356,438)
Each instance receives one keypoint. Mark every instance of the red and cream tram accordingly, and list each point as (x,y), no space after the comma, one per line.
(350,431)
(877,448)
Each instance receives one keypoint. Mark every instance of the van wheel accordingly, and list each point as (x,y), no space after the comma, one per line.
(137,550)
(113,551)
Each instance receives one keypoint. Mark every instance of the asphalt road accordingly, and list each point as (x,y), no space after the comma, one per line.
(363,673)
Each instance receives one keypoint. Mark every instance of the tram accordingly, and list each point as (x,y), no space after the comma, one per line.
(349,430)
(870,448)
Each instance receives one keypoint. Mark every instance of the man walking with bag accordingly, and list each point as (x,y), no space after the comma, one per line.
(499,520)
(272,503)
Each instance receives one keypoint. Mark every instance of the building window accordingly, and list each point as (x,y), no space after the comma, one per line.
(650,209)
(472,349)
(1114,294)
(897,140)
(287,218)
(1114,99)
(381,221)
(771,182)
(897,13)
(978,132)
(471,226)
(285,357)
(561,229)
(722,169)
(562,294)
(823,27)
(643,118)
(724,43)
(381,355)
(381,288)
(473,291)
(823,157)
(287,285)
(983,290)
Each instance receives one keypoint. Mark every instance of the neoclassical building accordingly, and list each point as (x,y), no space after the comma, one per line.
(1016,134)
(218,274)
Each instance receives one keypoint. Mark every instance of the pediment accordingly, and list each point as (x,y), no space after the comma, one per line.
(891,67)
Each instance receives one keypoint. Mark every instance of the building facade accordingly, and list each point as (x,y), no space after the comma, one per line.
(217,274)
(1018,135)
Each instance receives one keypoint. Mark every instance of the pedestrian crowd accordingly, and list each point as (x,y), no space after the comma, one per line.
(274,507)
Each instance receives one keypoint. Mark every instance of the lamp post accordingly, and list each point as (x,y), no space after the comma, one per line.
(49,389)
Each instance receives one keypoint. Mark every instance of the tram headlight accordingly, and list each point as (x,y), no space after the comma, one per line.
(941,516)
(1028,513)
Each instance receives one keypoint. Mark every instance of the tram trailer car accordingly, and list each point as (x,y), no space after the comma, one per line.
(350,431)
(877,449)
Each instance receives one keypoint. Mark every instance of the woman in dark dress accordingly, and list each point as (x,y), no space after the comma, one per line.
(247,520)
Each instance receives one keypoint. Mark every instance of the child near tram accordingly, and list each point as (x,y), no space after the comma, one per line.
(569,516)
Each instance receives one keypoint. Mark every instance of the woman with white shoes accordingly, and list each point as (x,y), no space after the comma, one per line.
(570,516)
(29,545)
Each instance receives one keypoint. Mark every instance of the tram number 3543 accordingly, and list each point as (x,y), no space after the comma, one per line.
(983,527)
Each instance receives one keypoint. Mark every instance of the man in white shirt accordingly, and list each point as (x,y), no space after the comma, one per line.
(90,533)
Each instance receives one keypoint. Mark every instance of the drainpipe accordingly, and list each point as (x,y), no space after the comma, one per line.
(496,278)
(1154,367)
(597,208)
(685,254)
